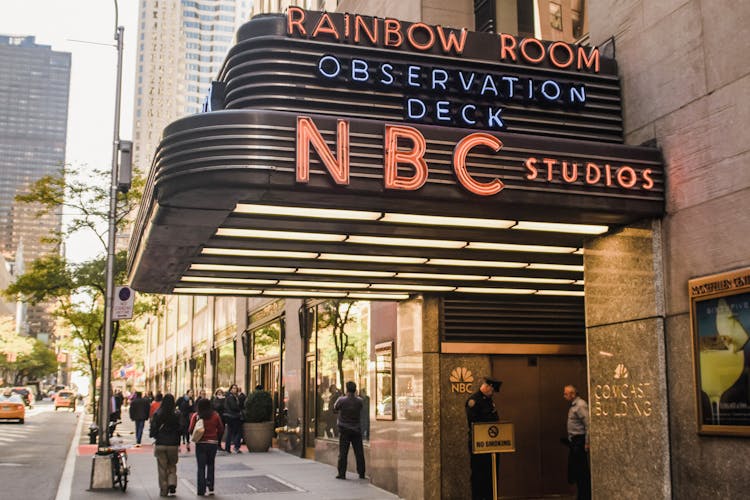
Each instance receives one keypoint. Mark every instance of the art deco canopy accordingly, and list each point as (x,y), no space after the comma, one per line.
(317,173)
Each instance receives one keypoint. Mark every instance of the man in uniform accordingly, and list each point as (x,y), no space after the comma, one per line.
(578,440)
(481,408)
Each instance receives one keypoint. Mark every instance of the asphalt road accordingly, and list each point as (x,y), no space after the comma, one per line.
(32,455)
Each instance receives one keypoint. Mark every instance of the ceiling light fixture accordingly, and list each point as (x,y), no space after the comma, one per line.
(519,279)
(475,263)
(513,291)
(560,228)
(347,272)
(575,293)
(320,213)
(511,247)
(405,242)
(279,235)
(412,287)
(236,281)
(273,254)
(242,269)
(214,291)
(440,276)
(437,220)
(555,267)
(322,284)
(384,259)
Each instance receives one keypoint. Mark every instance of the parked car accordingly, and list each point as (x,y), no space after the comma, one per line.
(65,399)
(12,407)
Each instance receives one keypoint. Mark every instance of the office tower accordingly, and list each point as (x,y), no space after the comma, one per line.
(181,46)
(34,86)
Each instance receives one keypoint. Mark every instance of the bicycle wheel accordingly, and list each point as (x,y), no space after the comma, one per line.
(123,461)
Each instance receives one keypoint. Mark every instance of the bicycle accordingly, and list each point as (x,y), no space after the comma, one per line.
(120,468)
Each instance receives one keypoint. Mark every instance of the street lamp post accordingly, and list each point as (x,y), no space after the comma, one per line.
(107,343)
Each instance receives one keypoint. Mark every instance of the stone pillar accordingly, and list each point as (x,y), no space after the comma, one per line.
(630,455)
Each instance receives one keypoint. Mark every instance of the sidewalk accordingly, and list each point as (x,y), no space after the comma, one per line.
(257,476)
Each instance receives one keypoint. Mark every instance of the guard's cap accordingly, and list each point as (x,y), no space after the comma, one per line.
(494,383)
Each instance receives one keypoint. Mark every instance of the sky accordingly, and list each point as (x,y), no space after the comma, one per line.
(65,25)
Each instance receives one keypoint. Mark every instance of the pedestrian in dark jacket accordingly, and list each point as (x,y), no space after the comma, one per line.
(139,409)
(349,409)
(233,416)
(186,405)
(207,446)
(165,428)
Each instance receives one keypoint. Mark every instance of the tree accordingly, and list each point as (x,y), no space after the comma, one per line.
(78,289)
(11,346)
(38,363)
(335,314)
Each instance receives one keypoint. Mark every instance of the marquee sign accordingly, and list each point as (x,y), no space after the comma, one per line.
(340,145)
(385,69)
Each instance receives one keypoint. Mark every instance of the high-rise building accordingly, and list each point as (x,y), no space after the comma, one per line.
(34,85)
(181,46)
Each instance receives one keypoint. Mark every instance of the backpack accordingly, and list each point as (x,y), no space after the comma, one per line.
(198,431)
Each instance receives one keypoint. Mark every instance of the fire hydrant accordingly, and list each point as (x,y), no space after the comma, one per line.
(93,433)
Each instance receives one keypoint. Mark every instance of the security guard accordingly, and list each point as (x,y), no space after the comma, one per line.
(481,408)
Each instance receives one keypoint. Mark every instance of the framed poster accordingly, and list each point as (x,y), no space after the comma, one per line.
(720,322)
(384,402)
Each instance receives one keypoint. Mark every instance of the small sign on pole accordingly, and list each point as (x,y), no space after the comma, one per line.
(122,305)
(495,437)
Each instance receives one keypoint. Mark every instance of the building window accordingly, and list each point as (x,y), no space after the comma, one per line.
(343,351)
(225,360)
(555,16)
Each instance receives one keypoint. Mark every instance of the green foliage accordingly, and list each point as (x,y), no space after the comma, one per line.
(78,289)
(258,407)
(40,362)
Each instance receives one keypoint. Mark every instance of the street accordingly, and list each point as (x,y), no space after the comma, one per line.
(32,455)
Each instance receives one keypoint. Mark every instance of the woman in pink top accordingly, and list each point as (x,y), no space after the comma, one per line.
(205,449)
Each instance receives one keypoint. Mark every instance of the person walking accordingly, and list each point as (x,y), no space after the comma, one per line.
(233,416)
(155,404)
(348,409)
(207,445)
(481,408)
(165,428)
(217,403)
(186,405)
(139,410)
(578,441)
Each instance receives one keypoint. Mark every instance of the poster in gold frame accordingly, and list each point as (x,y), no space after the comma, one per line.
(720,324)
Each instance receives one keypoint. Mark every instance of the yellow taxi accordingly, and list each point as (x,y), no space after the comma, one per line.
(65,399)
(12,407)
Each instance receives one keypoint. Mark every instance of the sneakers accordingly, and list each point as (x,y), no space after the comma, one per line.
(172,492)
(340,477)
(209,492)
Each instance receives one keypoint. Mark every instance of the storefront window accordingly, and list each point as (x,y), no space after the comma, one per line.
(343,349)
(384,404)
(267,363)
(225,366)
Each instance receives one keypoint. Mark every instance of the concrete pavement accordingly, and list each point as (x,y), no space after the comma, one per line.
(274,475)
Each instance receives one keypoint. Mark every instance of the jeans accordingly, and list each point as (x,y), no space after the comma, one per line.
(139,430)
(234,436)
(166,461)
(347,436)
(205,454)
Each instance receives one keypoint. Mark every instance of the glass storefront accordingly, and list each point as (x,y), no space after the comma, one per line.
(342,346)
(225,360)
(267,361)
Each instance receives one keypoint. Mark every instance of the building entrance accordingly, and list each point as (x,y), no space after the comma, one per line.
(532,398)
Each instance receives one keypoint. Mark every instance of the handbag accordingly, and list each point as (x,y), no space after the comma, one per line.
(198,431)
